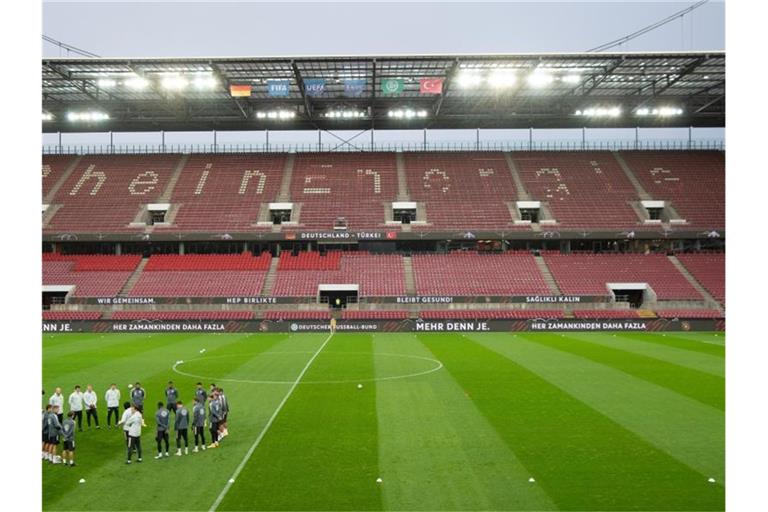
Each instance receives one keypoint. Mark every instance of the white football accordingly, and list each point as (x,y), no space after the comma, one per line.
(82,480)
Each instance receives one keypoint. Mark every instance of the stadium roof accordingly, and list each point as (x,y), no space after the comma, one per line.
(346,92)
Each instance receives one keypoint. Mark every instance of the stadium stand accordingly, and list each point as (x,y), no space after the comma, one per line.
(182,315)
(689,313)
(225,192)
(709,270)
(587,274)
(105,193)
(305,260)
(694,181)
(297,315)
(216,262)
(53,168)
(71,315)
(91,275)
(469,273)
(199,283)
(357,187)
(376,274)
(581,189)
(374,315)
(462,190)
(605,313)
(490,314)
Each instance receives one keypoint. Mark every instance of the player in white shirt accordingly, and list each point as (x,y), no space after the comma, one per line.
(57,399)
(134,424)
(76,406)
(112,397)
(126,415)
(90,400)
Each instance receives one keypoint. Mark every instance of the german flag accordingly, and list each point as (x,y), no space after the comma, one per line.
(240,91)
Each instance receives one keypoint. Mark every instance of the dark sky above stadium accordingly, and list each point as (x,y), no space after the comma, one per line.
(159,29)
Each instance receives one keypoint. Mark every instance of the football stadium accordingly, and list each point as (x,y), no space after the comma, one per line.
(503,321)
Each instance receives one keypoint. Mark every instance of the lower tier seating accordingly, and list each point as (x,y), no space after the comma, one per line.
(485,314)
(204,283)
(588,274)
(709,270)
(374,315)
(182,315)
(297,315)
(71,315)
(689,313)
(87,283)
(605,313)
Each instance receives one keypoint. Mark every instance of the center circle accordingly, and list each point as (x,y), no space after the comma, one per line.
(390,364)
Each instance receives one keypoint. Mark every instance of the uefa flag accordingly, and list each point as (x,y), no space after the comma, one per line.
(314,86)
(392,85)
(240,91)
(431,86)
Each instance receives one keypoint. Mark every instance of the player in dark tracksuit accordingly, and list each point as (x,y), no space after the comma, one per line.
(137,397)
(171,397)
(215,415)
(200,393)
(53,429)
(198,423)
(161,418)
(68,434)
(181,424)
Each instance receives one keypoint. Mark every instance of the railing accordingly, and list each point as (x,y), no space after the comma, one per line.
(602,145)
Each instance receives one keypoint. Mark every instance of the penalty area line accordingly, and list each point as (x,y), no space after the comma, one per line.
(263,432)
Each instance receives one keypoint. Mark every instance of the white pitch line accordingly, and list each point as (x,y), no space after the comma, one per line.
(256,443)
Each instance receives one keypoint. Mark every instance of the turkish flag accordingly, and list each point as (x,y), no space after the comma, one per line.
(431,86)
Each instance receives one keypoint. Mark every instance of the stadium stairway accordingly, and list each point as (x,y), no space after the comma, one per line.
(62,179)
(285,185)
(547,275)
(522,193)
(402,182)
(711,301)
(271,277)
(131,282)
(168,192)
(646,313)
(410,280)
(641,192)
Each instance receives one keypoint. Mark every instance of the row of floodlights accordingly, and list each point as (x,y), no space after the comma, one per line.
(200,81)
(502,78)
(79,116)
(282,115)
(640,112)
(407,113)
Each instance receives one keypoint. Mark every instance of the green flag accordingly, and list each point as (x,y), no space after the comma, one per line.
(392,85)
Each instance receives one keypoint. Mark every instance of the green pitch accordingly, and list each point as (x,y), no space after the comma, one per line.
(447,422)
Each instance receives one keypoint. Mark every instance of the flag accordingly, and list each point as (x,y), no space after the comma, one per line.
(238,91)
(354,87)
(431,86)
(314,86)
(392,85)
(278,87)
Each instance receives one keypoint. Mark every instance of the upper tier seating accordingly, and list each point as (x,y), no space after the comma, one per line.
(225,192)
(199,283)
(582,189)
(689,313)
(490,314)
(53,167)
(60,270)
(182,315)
(356,186)
(244,261)
(469,273)
(709,270)
(377,275)
(71,315)
(310,261)
(104,193)
(587,274)
(462,190)
(693,180)
(97,262)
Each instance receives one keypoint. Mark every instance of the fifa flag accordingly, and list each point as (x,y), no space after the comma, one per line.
(278,87)
(392,85)
(314,86)
(240,91)
(431,86)
(353,87)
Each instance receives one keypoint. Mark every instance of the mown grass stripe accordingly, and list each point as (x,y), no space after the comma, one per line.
(581,458)
(321,452)
(703,342)
(704,387)
(436,451)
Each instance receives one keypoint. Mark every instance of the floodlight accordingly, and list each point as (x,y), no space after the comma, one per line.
(107,83)
(502,78)
(87,116)
(540,79)
(137,83)
(571,79)
(204,82)
(600,112)
(468,78)
(47,116)
(174,83)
